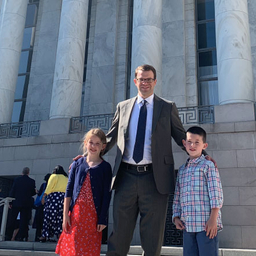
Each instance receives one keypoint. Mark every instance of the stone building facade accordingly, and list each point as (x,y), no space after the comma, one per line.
(65,62)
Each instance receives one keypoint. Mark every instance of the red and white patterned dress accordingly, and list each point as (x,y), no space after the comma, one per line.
(82,237)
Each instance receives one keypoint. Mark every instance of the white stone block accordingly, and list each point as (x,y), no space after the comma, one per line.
(246,158)
(55,126)
(230,236)
(236,112)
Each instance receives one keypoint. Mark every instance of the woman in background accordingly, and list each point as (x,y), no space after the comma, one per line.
(53,209)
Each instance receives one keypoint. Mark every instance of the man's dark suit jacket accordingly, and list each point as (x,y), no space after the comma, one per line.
(23,189)
(165,126)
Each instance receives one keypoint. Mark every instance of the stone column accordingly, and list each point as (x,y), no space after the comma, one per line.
(101,86)
(235,79)
(69,67)
(147,39)
(12,24)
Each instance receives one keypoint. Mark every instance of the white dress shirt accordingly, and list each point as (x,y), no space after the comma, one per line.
(130,141)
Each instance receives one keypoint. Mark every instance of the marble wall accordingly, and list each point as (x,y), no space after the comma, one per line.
(43,61)
(235,80)
(107,55)
(147,39)
(101,97)
(252,23)
(190,55)
(173,66)
(122,44)
(12,24)
(88,83)
(69,65)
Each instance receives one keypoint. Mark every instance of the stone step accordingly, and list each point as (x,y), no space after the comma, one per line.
(13,248)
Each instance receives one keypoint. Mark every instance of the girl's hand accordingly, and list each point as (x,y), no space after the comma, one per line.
(100,227)
(66,223)
(178,223)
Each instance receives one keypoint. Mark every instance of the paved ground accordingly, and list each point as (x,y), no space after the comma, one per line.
(9,248)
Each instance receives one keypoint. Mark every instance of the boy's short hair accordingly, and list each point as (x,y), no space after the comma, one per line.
(197,130)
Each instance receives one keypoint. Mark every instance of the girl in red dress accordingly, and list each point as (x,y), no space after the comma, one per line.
(86,200)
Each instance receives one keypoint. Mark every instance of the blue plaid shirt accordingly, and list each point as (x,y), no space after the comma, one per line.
(198,190)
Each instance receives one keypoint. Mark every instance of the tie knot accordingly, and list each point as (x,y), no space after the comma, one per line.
(144,102)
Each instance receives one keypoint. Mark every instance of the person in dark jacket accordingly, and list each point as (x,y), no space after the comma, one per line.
(23,189)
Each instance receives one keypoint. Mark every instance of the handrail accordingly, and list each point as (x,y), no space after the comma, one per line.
(5,202)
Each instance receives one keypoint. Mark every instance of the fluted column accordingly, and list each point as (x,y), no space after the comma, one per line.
(12,24)
(69,67)
(147,39)
(235,78)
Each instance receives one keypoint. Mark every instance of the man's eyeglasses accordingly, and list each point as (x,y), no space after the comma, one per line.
(145,80)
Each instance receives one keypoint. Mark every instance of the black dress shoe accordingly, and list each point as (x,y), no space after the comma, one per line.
(42,239)
(19,239)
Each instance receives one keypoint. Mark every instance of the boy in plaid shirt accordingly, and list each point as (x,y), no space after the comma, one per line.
(198,198)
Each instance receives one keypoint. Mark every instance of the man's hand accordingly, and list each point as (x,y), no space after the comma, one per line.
(77,157)
(211,159)
(74,159)
(100,227)
(178,223)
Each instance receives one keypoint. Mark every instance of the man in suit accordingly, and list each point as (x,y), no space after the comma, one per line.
(22,190)
(143,180)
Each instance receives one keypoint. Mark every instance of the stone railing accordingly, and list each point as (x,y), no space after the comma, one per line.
(85,123)
(5,203)
(188,115)
(19,130)
(197,115)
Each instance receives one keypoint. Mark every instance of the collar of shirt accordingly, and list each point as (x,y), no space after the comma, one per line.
(149,100)
(195,160)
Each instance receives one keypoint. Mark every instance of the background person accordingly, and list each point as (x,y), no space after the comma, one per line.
(53,209)
(39,214)
(22,190)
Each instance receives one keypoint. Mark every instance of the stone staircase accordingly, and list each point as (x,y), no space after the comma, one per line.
(13,248)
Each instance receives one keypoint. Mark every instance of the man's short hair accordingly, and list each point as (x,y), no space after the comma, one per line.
(145,67)
(199,131)
(25,171)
